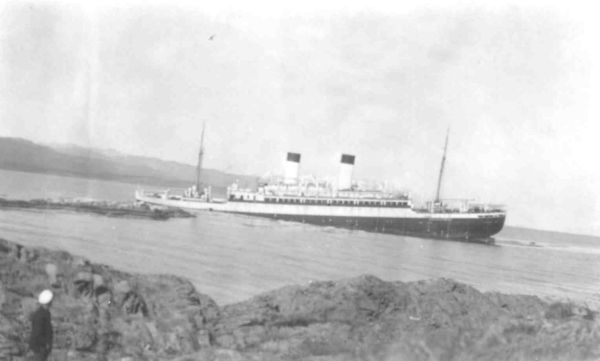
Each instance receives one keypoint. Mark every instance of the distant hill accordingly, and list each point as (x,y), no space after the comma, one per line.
(26,156)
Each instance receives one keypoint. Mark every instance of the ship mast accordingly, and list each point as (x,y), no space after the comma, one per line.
(439,185)
(200,156)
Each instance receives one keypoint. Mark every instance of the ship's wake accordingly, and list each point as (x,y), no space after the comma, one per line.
(517,242)
(510,242)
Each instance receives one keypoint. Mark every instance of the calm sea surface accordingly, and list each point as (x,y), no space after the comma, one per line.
(232,257)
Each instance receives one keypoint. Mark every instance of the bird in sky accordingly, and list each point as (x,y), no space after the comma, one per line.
(211,37)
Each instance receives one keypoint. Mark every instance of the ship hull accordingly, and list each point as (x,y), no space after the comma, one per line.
(476,227)
(454,228)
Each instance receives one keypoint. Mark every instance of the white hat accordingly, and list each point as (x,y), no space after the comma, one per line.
(45,297)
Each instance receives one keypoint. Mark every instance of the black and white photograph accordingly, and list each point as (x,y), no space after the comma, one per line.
(302,181)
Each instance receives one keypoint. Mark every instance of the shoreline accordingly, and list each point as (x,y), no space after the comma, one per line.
(103,208)
(101,311)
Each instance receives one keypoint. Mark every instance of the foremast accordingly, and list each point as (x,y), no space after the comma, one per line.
(200,158)
(439,184)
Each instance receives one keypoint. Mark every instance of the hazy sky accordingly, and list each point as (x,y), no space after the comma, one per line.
(513,82)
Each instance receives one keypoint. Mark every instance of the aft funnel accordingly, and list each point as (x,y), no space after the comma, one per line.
(346,167)
(291,167)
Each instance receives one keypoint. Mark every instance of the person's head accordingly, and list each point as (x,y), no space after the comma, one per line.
(45,298)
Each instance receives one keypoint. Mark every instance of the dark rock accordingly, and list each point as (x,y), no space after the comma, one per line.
(103,314)
(5,246)
(87,321)
(110,209)
(560,310)
(84,283)
(52,273)
(133,303)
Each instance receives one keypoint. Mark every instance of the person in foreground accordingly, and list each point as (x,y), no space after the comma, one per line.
(40,341)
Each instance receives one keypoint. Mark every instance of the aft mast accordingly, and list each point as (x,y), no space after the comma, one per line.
(199,166)
(439,185)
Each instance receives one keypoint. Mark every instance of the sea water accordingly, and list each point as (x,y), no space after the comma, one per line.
(233,257)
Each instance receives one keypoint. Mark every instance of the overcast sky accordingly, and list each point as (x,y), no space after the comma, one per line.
(513,83)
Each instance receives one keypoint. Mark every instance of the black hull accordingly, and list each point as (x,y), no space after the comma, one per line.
(465,229)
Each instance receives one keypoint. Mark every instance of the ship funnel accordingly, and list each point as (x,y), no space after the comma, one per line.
(346,167)
(291,167)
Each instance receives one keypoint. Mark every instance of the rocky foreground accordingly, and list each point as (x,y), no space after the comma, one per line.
(103,314)
(105,208)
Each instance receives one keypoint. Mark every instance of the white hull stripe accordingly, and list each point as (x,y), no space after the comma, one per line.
(310,210)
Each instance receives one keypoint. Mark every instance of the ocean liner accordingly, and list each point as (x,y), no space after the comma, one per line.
(341,204)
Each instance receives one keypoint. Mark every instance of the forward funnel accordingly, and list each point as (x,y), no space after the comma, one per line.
(291,167)
(345,176)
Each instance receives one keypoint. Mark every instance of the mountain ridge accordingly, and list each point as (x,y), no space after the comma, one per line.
(72,160)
